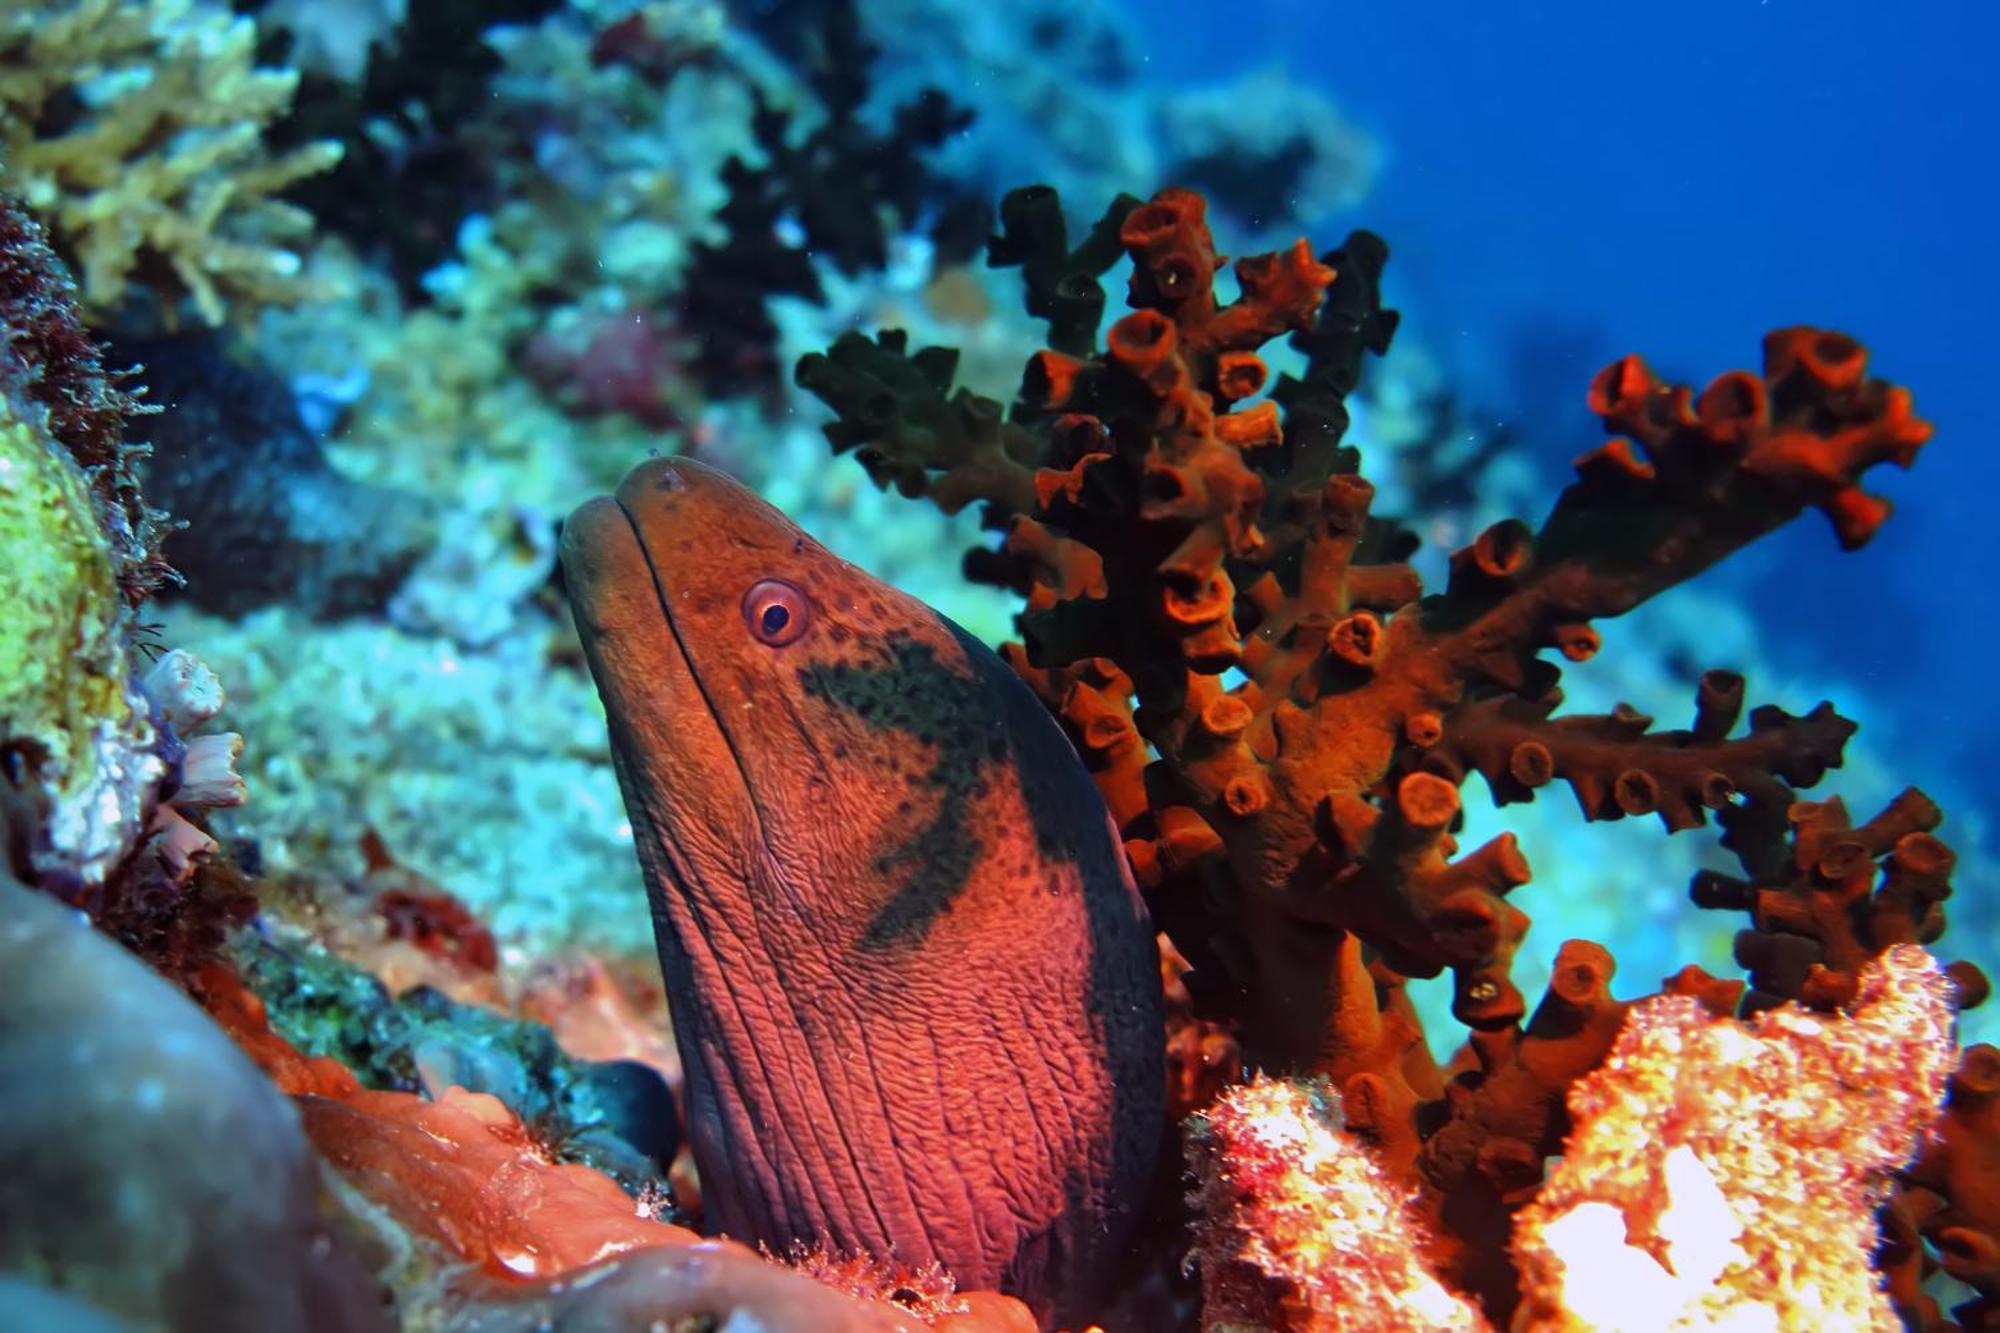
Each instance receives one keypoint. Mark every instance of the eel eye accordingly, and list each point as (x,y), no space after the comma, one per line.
(776,612)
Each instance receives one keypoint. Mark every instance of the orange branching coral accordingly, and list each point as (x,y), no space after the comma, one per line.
(1947,1214)
(1826,896)
(1297,1226)
(1280,720)
(1177,529)
(1725,1173)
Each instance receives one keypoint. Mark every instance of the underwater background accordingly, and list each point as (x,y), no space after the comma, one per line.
(1563,184)
(398,284)
(458,266)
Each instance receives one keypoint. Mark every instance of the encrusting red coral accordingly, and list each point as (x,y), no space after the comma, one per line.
(1280,719)
(532,1236)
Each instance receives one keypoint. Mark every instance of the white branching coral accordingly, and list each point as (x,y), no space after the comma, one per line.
(134,130)
(1726,1174)
(1299,1229)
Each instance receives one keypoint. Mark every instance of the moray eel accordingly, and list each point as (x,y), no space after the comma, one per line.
(912,982)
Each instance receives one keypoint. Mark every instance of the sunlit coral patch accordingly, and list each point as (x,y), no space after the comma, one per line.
(1726,1174)
(133,128)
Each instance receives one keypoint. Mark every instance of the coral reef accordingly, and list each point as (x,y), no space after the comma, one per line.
(1059,93)
(1280,719)
(133,128)
(404,91)
(434,747)
(475,260)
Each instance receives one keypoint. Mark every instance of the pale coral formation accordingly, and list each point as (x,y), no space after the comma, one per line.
(134,129)
(1722,1174)
(1726,1174)
(1297,1226)
(186,695)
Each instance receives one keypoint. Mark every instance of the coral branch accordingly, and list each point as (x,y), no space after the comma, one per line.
(1618,766)
(895,415)
(1695,480)
(1060,282)
(1824,896)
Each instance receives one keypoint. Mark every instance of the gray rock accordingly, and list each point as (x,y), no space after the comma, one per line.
(147,1167)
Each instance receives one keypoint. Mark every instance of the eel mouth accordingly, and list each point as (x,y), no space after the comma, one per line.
(655,574)
(669,740)
(614,550)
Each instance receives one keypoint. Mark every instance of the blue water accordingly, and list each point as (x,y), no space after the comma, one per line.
(1567,182)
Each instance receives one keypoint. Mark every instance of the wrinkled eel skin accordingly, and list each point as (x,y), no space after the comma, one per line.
(912,983)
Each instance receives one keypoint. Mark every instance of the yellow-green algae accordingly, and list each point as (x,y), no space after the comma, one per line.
(66,697)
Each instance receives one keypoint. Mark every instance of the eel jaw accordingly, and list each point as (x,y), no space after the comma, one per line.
(673,758)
